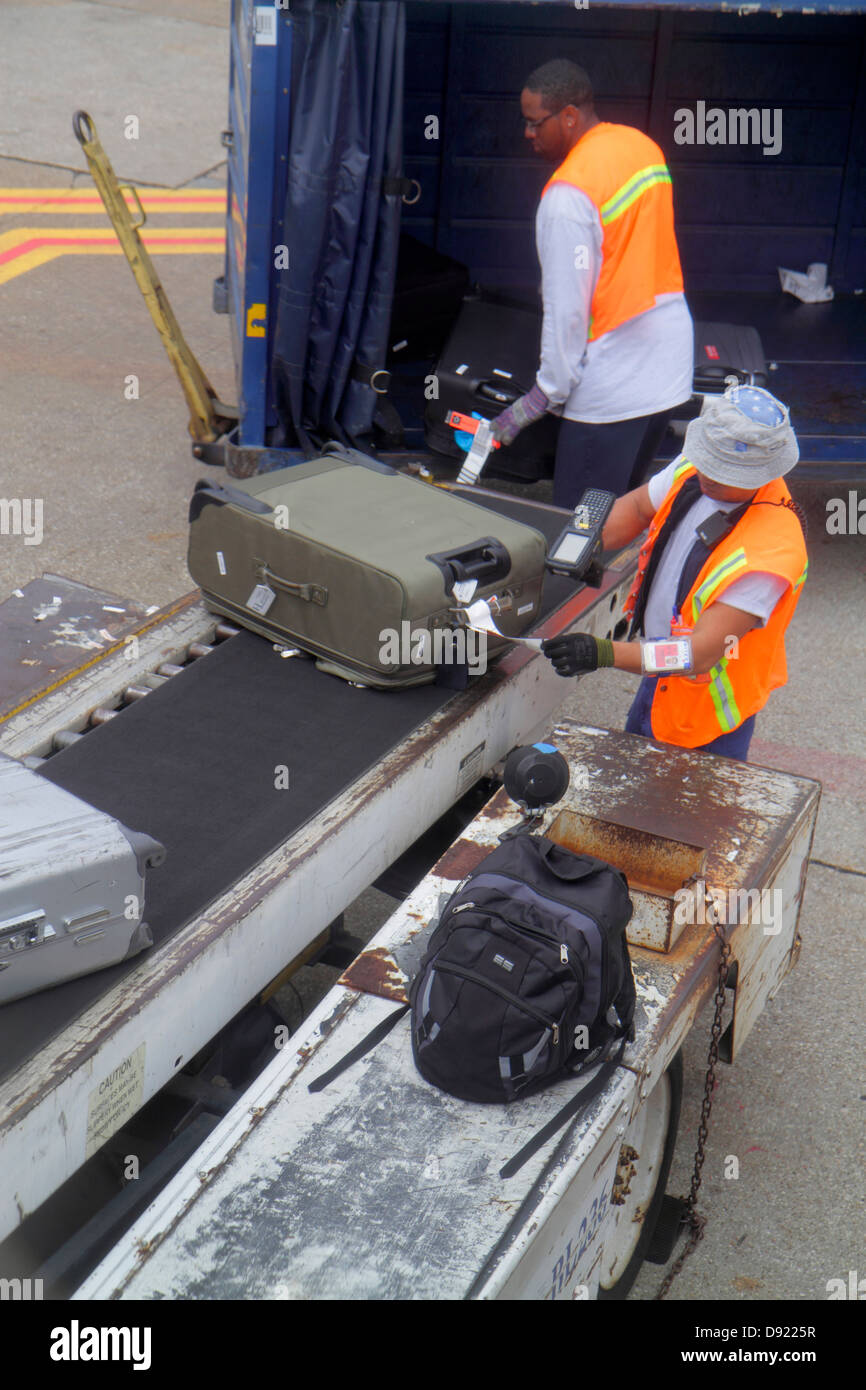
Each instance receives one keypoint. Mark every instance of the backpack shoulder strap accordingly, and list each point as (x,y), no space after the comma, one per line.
(568,1112)
(372,1039)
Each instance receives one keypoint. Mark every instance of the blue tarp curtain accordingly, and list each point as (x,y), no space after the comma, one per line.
(342,220)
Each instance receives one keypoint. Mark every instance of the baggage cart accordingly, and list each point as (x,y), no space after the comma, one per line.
(382,1187)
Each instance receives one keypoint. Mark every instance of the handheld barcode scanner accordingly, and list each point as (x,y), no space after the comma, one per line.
(577,549)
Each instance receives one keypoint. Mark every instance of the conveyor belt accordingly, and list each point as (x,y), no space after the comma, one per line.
(194,763)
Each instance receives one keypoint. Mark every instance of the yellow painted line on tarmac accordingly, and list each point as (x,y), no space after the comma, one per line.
(85,201)
(25,248)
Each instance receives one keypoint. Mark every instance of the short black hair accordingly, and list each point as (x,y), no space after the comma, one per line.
(561,83)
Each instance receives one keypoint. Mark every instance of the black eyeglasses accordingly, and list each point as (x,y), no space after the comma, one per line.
(536,125)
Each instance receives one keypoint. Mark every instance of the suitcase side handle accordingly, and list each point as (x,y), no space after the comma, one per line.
(220,495)
(310,593)
(485,560)
(501,392)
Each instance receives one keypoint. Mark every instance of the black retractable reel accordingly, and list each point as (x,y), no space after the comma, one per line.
(535,776)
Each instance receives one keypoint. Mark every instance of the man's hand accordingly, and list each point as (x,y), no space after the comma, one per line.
(576,652)
(524,411)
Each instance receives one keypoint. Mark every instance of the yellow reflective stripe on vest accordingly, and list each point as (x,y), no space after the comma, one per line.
(683,468)
(633,189)
(734,562)
(723,698)
(802,578)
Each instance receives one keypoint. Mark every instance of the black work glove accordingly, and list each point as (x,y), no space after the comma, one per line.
(576,652)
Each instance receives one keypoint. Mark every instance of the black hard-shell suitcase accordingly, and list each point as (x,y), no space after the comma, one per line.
(727,349)
(490,359)
(428,293)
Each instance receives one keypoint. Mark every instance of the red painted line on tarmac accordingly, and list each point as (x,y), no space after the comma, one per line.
(841,773)
(35,243)
(161,195)
(153,241)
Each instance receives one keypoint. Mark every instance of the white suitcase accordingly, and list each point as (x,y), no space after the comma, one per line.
(71,885)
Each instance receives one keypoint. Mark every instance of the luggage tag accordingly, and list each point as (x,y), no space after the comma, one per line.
(476,429)
(480,618)
(464,589)
(261,599)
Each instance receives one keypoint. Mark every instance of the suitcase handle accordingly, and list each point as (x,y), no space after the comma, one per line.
(310,593)
(220,494)
(501,392)
(334,449)
(485,560)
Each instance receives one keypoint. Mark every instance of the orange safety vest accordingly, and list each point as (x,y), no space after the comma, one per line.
(624,173)
(691,711)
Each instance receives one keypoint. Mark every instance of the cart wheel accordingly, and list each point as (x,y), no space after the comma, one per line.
(651,1136)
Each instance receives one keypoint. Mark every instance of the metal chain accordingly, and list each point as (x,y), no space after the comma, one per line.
(691,1216)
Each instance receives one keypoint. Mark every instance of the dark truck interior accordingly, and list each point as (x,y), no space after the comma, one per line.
(468,223)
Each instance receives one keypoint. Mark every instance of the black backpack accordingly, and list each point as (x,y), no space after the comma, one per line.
(526,980)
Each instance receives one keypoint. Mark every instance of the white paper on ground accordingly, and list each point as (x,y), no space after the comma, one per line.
(811,287)
(480,618)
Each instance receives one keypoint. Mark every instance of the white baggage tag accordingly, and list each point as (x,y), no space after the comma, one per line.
(475,460)
(480,618)
(464,589)
(260,599)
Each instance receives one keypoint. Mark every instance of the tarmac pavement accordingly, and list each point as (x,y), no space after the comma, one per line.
(114,475)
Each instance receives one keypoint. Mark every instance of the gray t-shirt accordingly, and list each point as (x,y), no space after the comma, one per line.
(756,593)
(643,366)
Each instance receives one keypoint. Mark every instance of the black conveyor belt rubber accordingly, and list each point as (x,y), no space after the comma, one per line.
(194,764)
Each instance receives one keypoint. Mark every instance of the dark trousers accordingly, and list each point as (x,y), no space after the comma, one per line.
(614,456)
(732,745)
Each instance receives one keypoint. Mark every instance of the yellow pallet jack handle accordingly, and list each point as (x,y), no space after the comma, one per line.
(209,418)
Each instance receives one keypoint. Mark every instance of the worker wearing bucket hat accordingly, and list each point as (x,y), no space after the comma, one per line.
(718,579)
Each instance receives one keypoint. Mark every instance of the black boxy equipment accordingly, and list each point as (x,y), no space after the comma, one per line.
(490,359)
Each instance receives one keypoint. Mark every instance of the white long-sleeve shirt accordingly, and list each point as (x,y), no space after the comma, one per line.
(643,366)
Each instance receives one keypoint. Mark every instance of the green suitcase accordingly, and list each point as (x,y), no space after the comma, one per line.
(356,564)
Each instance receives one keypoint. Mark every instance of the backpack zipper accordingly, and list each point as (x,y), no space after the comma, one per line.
(477,978)
(528,931)
(604,926)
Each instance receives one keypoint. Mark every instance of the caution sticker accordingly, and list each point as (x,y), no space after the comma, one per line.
(471,768)
(117,1096)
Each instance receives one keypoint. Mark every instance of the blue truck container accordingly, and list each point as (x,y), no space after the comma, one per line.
(348,122)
